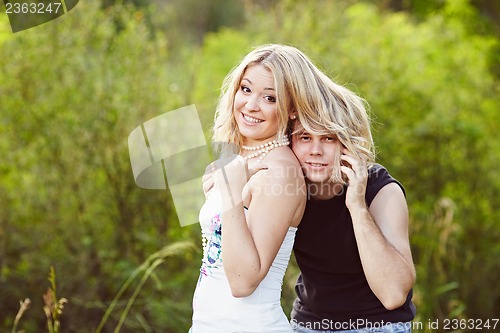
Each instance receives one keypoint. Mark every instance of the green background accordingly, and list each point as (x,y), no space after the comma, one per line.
(72,90)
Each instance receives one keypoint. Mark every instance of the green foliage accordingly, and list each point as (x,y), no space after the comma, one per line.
(70,94)
(147,269)
(71,91)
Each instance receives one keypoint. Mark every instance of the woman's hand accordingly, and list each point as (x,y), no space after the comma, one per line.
(355,170)
(208,176)
(230,179)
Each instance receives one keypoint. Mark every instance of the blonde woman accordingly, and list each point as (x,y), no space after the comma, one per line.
(249,223)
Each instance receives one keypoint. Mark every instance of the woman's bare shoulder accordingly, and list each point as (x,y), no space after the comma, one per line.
(282,156)
(282,162)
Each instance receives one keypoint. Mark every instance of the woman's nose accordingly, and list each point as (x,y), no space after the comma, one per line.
(252,103)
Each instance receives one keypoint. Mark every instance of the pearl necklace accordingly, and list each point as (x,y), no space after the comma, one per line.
(265,148)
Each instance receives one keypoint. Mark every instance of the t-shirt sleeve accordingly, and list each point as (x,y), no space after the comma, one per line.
(378,177)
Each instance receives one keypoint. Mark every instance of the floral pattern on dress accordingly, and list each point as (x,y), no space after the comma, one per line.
(212,248)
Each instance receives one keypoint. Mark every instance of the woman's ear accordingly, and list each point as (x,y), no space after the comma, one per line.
(293,116)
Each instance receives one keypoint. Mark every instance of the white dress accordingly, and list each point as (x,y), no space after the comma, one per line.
(215,309)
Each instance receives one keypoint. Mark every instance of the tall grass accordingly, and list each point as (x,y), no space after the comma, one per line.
(146,269)
(54,306)
(23,306)
(435,249)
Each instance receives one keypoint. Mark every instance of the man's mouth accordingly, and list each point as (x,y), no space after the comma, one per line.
(317,165)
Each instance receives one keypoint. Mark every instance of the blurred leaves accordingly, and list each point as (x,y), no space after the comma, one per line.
(71,92)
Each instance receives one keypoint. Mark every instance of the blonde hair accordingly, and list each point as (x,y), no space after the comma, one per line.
(321,105)
(286,64)
(333,109)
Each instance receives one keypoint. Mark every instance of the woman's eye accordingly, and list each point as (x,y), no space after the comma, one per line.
(271,99)
(305,138)
(245,89)
(330,139)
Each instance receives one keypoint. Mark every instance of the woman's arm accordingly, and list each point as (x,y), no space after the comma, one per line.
(251,241)
(382,236)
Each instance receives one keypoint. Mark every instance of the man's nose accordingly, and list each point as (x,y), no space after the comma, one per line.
(316,148)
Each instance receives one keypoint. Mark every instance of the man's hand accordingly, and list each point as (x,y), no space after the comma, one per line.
(355,170)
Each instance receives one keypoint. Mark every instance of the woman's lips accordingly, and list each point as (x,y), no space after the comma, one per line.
(251,120)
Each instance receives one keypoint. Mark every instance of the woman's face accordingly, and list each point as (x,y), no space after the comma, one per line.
(255,108)
(319,155)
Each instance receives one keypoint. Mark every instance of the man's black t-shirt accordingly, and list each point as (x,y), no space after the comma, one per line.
(332,287)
